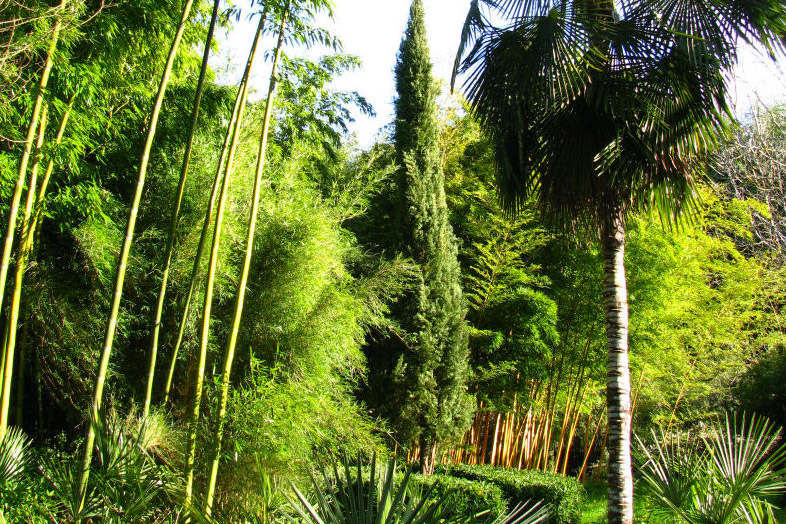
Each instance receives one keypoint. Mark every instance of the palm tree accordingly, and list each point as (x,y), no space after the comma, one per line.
(601,109)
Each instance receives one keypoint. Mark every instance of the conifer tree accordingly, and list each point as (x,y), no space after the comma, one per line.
(432,371)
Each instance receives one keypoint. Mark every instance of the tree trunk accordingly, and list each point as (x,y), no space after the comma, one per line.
(615,294)
(428,456)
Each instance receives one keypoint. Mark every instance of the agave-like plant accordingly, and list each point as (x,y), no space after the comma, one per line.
(126,483)
(13,462)
(729,476)
(346,498)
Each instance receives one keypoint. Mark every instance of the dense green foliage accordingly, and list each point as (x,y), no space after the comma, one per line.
(565,495)
(463,496)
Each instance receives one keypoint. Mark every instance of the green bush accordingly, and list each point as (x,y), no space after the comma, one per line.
(467,497)
(565,495)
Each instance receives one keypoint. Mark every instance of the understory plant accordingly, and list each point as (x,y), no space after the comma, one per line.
(129,481)
(14,460)
(732,473)
(366,494)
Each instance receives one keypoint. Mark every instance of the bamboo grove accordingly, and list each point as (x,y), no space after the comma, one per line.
(208,287)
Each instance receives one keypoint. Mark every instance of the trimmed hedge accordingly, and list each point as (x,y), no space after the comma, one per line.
(565,495)
(467,497)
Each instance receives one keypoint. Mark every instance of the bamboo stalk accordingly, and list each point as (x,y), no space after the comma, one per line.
(482,457)
(111,328)
(203,239)
(241,293)
(213,262)
(170,244)
(22,253)
(572,433)
(23,163)
(583,470)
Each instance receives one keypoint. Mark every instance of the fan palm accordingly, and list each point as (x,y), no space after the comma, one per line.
(599,109)
(730,476)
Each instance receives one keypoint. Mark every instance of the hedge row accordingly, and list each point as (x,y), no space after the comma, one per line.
(565,495)
(467,497)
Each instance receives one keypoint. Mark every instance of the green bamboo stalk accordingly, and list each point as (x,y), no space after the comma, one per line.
(202,240)
(21,265)
(170,244)
(106,351)
(241,291)
(29,242)
(50,166)
(211,271)
(228,144)
(31,134)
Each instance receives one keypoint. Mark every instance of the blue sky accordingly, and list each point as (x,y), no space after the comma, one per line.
(372,29)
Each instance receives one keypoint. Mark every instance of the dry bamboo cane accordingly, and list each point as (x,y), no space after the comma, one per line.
(21,266)
(572,433)
(241,292)
(170,244)
(234,132)
(106,351)
(583,470)
(22,173)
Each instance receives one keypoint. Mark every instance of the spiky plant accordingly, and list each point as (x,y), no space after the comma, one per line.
(344,497)
(13,462)
(732,475)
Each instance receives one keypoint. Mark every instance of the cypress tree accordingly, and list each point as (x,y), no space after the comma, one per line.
(432,370)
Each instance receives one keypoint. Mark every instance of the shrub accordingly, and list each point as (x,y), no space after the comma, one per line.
(565,495)
(467,497)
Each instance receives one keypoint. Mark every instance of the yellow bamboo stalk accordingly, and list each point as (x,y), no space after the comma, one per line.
(240,105)
(106,352)
(22,256)
(588,450)
(173,222)
(241,292)
(22,173)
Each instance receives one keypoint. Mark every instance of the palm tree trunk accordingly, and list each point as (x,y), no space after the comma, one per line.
(109,338)
(22,253)
(213,263)
(170,244)
(615,294)
(29,140)
(229,354)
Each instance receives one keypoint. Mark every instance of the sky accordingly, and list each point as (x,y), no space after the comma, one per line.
(372,30)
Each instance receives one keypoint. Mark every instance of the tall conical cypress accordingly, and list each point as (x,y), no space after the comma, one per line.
(433,369)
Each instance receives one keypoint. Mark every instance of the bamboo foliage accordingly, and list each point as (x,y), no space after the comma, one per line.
(111,328)
(241,291)
(176,210)
(29,140)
